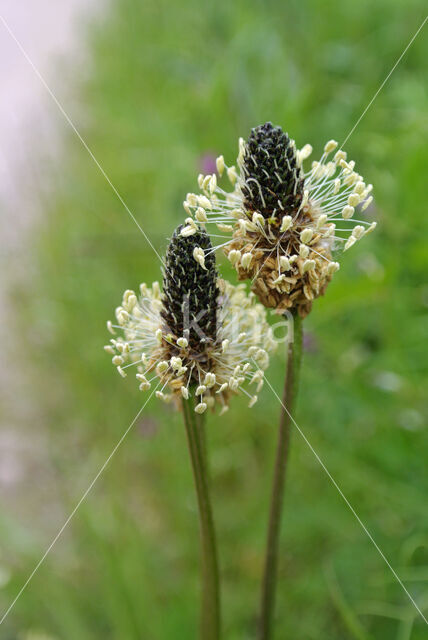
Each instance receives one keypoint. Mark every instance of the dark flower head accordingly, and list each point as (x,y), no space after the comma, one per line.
(272,179)
(190,291)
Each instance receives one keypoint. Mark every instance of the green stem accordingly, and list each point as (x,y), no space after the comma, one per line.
(210,608)
(200,424)
(294,353)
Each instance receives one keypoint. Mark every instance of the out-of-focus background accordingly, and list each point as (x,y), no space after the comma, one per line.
(157,90)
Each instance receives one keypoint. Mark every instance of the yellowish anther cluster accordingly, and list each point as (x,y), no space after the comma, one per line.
(234,362)
(199,256)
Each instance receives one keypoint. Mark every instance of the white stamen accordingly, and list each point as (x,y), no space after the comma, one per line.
(358,231)
(284,263)
(212,183)
(201,407)
(220,165)
(353,199)
(192,198)
(109,349)
(176,363)
(332,267)
(308,265)
(350,242)
(330,146)
(187,231)
(321,220)
(339,155)
(303,251)
(204,202)
(258,219)
(304,153)
(110,327)
(210,380)
(246,260)
(279,279)
(234,256)
(199,256)
(306,235)
(232,175)
(201,215)
(286,223)
(360,187)
(367,203)
(347,212)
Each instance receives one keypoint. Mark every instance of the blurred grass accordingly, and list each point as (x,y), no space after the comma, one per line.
(167,84)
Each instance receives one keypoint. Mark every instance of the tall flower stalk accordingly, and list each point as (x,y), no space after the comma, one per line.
(210,608)
(289,397)
(202,341)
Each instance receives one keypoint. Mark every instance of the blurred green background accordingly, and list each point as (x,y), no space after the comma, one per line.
(167,86)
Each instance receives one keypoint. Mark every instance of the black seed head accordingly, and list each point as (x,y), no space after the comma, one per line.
(190,292)
(273,181)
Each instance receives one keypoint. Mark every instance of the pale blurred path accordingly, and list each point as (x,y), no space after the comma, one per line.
(48,31)
(30,131)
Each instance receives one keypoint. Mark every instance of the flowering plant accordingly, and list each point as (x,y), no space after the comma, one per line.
(204,340)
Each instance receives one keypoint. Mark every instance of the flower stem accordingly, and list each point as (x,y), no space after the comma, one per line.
(210,607)
(294,353)
(200,426)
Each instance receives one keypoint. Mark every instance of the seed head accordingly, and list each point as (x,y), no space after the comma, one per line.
(190,291)
(288,226)
(200,337)
(272,178)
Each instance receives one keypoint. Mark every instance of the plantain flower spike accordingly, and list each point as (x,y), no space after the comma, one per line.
(285,227)
(200,336)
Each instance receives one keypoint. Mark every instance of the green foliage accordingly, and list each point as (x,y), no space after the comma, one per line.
(169,83)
